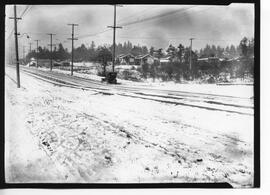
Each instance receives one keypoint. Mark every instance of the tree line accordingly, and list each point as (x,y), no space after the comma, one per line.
(83,53)
(179,58)
(236,60)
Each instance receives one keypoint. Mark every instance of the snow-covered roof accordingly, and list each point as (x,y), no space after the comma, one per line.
(209,58)
(202,59)
(164,60)
(125,55)
(124,67)
(144,56)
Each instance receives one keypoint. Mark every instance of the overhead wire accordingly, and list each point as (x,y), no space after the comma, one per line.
(137,29)
(137,13)
(28,7)
(182,10)
(180,38)
(93,34)
(157,16)
(138,21)
(22,14)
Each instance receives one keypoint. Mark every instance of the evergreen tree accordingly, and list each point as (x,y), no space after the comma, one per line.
(244,46)
(180,52)
(171,51)
(104,55)
(152,49)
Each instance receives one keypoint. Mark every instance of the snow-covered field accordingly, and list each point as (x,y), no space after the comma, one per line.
(59,134)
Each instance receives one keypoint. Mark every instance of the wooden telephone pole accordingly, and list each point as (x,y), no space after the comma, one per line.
(16,46)
(72,47)
(37,51)
(114,27)
(51,48)
(190,57)
(30,49)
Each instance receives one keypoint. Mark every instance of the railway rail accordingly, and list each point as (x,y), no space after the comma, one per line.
(222,103)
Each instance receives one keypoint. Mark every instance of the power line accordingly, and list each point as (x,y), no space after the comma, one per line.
(23,13)
(10,34)
(24,10)
(94,34)
(28,10)
(124,18)
(157,16)
(106,30)
(181,18)
(179,38)
(100,32)
(42,33)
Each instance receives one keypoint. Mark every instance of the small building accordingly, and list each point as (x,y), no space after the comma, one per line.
(32,62)
(210,59)
(144,59)
(209,63)
(164,60)
(213,60)
(126,59)
(202,60)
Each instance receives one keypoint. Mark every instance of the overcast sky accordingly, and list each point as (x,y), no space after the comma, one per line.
(150,25)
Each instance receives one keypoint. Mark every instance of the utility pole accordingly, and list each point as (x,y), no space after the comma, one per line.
(30,50)
(190,57)
(114,27)
(16,46)
(23,52)
(72,39)
(37,51)
(51,48)
(30,47)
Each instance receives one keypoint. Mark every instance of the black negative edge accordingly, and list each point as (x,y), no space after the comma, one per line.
(119,185)
(142,185)
(257,179)
(2,84)
(123,2)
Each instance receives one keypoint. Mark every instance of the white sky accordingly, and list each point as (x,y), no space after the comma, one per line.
(219,25)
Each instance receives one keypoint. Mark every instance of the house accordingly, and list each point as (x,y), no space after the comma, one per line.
(202,60)
(208,63)
(165,60)
(210,60)
(126,59)
(144,59)
(32,62)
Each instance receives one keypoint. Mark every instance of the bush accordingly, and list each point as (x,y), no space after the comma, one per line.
(101,73)
(145,70)
(132,75)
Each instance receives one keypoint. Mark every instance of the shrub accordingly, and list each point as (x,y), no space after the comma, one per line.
(132,75)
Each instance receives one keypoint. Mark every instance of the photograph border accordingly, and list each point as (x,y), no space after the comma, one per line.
(256,183)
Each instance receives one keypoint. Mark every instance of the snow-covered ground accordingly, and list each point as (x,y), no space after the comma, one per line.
(230,90)
(60,134)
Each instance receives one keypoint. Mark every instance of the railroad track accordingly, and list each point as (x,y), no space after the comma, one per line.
(223,103)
